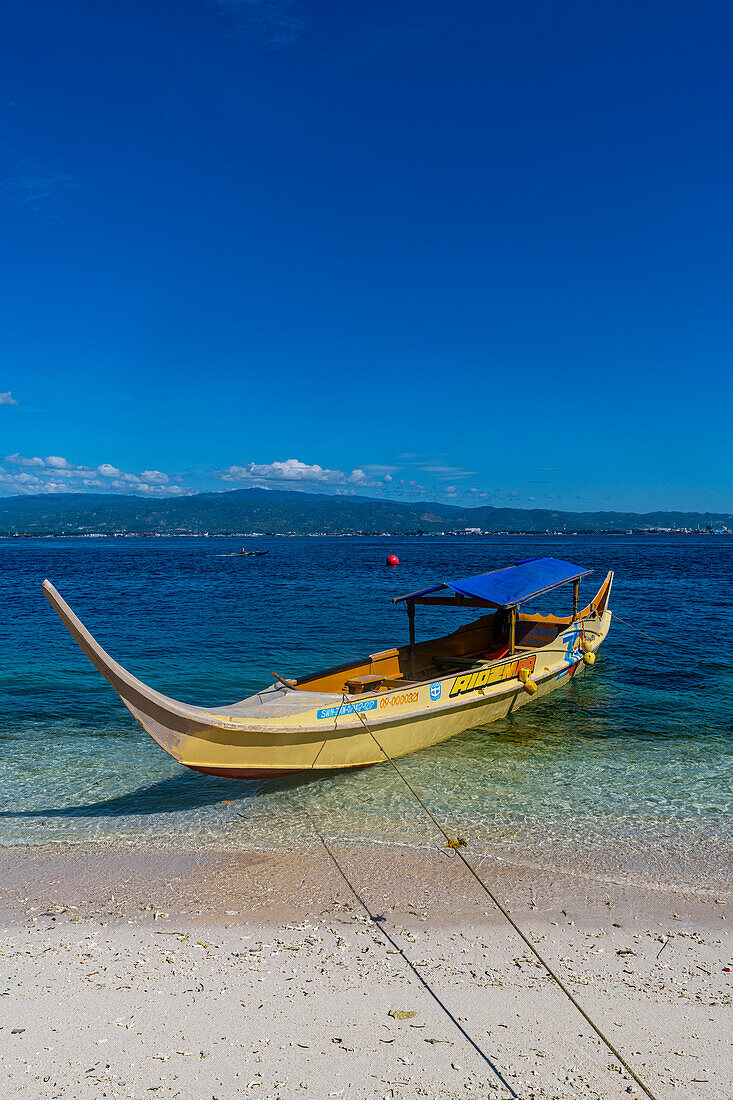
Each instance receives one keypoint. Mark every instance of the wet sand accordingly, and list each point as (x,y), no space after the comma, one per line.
(129,973)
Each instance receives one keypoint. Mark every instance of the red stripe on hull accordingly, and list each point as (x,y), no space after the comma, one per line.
(246,773)
(267,773)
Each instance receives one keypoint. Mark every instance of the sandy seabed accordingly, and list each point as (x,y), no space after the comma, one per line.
(361,972)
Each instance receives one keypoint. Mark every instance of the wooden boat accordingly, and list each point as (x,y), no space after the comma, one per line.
(408,697)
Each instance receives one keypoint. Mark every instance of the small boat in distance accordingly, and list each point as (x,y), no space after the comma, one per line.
(403,699)
(245,553)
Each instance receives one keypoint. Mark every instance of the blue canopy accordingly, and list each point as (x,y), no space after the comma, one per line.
(511,586)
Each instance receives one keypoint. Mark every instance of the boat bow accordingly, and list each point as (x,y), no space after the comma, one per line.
(133,692)
(190,734)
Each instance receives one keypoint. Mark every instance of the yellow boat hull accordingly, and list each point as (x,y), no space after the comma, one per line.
(283,730)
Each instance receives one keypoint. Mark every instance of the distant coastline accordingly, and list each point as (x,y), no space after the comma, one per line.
(646,531)
(250,513)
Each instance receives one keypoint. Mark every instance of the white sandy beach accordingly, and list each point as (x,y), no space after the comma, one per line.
(144,985)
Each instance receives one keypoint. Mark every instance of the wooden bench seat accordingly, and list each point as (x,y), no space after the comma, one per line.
(358,684)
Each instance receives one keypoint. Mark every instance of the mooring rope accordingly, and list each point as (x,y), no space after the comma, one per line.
(456,843)
(665,645)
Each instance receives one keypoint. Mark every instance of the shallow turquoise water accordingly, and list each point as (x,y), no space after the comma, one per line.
(627,774)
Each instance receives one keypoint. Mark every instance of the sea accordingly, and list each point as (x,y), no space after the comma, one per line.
(626,774)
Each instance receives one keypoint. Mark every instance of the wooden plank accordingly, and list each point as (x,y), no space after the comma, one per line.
(290,684)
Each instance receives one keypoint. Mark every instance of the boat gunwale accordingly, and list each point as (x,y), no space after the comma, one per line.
(346,722)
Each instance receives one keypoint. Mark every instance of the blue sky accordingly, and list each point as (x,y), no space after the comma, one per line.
(448,250)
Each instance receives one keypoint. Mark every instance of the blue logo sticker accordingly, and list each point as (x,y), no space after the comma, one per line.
(435,691)
(572,641)
(347,708)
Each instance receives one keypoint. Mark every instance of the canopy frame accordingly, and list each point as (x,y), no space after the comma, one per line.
(565,571)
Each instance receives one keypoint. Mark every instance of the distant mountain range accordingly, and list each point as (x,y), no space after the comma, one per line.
(279,512)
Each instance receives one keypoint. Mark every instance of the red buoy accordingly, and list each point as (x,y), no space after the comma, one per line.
(393,560)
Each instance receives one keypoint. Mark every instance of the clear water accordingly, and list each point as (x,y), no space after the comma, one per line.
(626,774)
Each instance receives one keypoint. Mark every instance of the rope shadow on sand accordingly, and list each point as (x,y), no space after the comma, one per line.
(378,923)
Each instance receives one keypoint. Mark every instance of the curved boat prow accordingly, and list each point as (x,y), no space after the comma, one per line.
(165,719)
(118,677)
(239,741)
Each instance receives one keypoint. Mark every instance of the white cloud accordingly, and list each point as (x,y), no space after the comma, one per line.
(293,470)
(61,467)
(24,479)
(292,473)
(379,470)
(25,484)
(448,471)
(55,474)
(8,399)
(171,490)
(21,460)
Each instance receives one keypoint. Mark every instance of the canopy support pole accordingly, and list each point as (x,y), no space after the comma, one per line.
(576,586)
(512,629)
(411,618)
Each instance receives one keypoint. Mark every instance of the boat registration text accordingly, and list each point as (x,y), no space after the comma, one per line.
(399,700)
